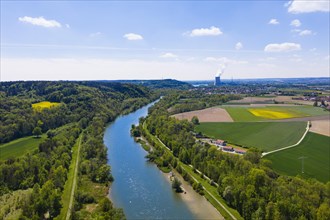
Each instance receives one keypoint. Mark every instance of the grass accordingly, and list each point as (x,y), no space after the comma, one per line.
(250,114)
(266,136)
(19,147)
(42,105)
(316,149)
(69,184)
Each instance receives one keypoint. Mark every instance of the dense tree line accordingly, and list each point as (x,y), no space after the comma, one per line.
(247,183)
(44,170)
(78,100)
(86,107)
(184,101)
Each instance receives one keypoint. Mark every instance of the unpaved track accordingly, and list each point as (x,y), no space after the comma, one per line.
(68,214)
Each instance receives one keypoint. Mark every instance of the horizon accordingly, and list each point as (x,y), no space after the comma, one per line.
(201,80)
(70,40)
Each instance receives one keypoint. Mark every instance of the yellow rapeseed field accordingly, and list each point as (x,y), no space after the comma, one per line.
(272,114)
(42,105)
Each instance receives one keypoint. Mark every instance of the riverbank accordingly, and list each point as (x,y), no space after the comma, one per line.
(195,202)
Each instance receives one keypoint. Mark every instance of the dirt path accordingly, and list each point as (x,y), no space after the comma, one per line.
(214,114)
(294,145)
(68,215)
(311,118)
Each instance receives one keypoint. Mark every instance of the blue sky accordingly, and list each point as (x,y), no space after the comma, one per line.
(185,40)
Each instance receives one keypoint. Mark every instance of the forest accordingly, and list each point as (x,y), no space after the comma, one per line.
(32,185)
(247,183)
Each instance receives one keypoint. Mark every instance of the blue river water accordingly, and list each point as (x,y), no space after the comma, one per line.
(139,187)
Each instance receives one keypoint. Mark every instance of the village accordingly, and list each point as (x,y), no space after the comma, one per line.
(224,146)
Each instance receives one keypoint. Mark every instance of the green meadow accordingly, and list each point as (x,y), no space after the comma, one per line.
(20,146)
(266,136)
(315,149)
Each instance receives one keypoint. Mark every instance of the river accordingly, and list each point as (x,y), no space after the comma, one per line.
(139,187)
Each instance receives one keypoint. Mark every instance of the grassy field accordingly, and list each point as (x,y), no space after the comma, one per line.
(316,149)
(42,105)
(20,146)
(250,114)
(266,136)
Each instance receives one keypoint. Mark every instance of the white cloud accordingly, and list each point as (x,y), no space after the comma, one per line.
(96,34)
(238,46)
(312,50)
(327,57)
(273,21)
(284,47)
(67,25)
(308,6)
(305,32)
(295,23)
(40,21)
(212,31)
(132,36)
(224,60)
(168,55)
(295,30)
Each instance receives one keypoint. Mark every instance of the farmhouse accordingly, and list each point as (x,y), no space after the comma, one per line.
(228,149)
(221,142)
(239,151)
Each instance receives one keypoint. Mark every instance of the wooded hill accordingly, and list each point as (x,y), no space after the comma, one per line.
(39,177)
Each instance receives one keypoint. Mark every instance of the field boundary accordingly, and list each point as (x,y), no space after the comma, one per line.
(291,146)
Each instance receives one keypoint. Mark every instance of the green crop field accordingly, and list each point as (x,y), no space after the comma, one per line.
(244,114)
(241,114)
(316,150)
(266,136)
(20,146)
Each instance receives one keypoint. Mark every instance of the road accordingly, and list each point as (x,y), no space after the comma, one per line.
(284,148)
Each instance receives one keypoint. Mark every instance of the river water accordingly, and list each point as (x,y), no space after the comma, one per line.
(139,187)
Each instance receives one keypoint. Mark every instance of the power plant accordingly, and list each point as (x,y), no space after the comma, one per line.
(220,71)
(217,80)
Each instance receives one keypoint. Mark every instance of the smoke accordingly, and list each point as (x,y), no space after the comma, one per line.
(221,70)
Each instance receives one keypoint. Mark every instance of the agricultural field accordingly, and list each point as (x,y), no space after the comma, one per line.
(266,136)
(315,149)
(42,105)
(321,127)
(20,146)
(214,114)
(249,113)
